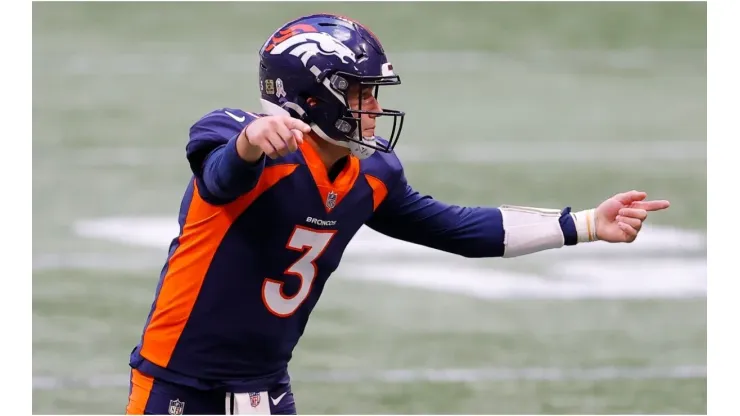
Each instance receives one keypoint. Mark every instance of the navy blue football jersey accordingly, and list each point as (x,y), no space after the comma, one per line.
(257,244)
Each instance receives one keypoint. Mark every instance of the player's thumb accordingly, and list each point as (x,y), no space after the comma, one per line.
(294,123)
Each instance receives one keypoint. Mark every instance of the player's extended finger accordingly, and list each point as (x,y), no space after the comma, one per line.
(294,123)
(656,205)
(631,196)
(628,230)
(638,213)
(632,222)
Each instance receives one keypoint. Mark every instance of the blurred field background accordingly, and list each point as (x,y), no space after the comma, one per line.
(540,104)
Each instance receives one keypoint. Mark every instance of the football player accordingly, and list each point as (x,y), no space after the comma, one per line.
(274,200)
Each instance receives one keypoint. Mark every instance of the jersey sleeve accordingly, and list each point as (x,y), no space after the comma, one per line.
(467,231)
(222,175)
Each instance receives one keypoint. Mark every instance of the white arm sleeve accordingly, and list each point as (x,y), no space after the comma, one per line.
(529,230)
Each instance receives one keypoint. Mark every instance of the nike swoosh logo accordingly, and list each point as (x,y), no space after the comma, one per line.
(239,119)
(276,400)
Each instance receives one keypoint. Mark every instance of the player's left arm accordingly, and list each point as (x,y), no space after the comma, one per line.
(506,231)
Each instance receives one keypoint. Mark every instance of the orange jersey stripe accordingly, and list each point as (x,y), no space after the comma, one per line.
(379,190)
(141,388)
(205,227)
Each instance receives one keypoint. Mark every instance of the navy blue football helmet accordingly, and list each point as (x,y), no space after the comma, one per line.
(321,57)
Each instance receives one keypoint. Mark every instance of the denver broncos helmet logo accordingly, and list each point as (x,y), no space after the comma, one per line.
(307,43)
(287,33)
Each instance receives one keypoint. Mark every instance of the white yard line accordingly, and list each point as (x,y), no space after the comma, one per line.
(449,375)
(662,263)
(158,232)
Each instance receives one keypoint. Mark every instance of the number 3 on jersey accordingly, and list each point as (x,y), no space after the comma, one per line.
(312,243)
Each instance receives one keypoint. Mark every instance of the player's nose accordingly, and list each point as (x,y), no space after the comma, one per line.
(374,105)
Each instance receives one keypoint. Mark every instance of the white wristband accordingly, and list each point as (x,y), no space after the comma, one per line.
(585,225)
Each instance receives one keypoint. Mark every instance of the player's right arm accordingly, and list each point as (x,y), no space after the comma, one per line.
(227,156)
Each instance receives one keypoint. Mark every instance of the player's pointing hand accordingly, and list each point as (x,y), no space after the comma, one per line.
(275,136)
(619,218)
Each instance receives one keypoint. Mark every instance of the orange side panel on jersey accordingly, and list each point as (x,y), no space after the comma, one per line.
(141,388)
(379,190)
(205,227)
(341,185)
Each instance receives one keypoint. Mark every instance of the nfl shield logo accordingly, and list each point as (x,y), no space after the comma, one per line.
(176,407)
(331,200)
(254,399)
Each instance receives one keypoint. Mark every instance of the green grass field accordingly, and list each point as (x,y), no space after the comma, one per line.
(532,104)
